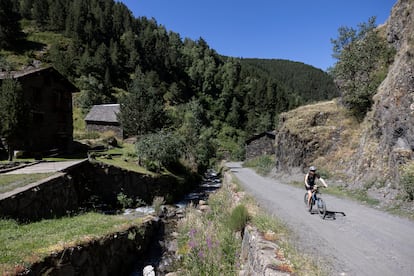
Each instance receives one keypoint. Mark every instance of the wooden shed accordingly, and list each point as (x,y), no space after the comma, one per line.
(48,95)
(102,118)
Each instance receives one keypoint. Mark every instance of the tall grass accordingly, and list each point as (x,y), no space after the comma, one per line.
(407,180)
(210,243)
(23,244)
(206,242)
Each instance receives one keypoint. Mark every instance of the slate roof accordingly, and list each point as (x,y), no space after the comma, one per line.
(103,113)
(41,70)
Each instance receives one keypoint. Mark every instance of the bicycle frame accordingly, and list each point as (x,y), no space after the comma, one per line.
(316,199)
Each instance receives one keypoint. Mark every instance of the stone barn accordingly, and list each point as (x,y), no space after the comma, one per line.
(260,144)
(102,118)
(48,96)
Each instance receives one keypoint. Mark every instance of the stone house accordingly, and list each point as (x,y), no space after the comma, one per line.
(48,95)
(102,118)
(260,144)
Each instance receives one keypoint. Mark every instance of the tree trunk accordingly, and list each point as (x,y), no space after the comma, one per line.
(10,151)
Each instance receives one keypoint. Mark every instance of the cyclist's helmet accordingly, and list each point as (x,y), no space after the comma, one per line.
(312,168)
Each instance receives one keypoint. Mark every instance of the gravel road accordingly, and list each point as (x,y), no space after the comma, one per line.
(363,242)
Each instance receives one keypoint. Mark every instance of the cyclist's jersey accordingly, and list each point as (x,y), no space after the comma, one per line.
(311,179)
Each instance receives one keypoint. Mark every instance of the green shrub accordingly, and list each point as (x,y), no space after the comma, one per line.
(129,153)
(238,218)
(407,180)
(124,200)
(363,59)
(262,164)
(159,149)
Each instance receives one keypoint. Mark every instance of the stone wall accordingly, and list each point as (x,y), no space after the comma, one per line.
(117,129)
(54,196)
(105,182)
(260,255)
(86,186)
(115,254)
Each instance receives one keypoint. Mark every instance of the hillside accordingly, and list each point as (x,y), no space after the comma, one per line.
(307,82)
(192,90)
(376,154)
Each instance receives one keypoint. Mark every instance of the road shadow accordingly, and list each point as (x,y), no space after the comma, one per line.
(330,214)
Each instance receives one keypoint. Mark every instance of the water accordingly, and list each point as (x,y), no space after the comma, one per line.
(163,252)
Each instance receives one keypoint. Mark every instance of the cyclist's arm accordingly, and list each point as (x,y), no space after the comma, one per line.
(306,181)
(323,182)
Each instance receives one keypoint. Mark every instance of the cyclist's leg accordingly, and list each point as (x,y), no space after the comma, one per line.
(309,197)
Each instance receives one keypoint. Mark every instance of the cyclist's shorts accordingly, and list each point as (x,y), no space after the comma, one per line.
(310,188)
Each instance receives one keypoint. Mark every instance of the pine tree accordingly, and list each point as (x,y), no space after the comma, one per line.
(40,12)
(142,110)
(9,24)
(57,15)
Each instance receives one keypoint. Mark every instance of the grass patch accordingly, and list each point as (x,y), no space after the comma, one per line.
(23,244)
(9,182)
(47,38)
(263,165)
(124,164)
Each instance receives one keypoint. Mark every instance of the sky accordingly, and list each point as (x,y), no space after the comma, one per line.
(297,30)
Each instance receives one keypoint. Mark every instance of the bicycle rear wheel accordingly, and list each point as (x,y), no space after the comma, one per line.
(321,208)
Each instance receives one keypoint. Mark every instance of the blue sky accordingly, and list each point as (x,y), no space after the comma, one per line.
(298,30)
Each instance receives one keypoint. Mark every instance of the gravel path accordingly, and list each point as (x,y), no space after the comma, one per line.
(363,242)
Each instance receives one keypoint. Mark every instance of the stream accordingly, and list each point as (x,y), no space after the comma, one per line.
(162,256)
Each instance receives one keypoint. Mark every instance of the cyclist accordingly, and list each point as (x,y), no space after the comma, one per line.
(310,179)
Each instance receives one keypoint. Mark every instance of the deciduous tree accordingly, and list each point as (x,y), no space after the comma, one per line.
(13,114)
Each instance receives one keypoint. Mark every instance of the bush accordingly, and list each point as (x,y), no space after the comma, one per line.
(363,60)
(238,218)
(124,200)
(407,180)
(159,149)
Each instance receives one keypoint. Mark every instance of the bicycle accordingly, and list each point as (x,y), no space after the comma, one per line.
(318,200)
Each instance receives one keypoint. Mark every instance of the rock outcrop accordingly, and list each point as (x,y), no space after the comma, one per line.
(388,139)
(314,135)
(367,154)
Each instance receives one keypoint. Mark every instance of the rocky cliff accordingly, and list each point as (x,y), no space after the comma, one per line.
(388,138)
(369,152)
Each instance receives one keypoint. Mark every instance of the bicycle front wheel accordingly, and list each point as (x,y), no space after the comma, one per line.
(321,208)
(305,199)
